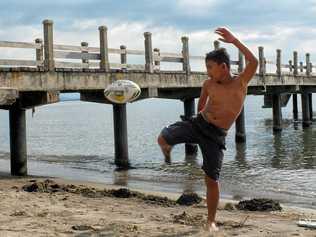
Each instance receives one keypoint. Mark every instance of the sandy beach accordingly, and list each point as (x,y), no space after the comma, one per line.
(57,207)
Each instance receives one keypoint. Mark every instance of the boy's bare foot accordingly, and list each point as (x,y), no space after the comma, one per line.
(211,227)
(166,150)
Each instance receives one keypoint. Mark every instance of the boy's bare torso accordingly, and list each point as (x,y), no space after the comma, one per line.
(225,101)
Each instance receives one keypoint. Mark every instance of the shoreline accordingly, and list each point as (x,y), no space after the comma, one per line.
(70,214)
(77,175)
(171,195)
(58,171)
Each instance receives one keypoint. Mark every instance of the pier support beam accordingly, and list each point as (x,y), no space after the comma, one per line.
(240,131)
(18,140)
(120,135)
(240,135)
(295,110)
(189,111)
(277,113)
(305,110)
(310,97)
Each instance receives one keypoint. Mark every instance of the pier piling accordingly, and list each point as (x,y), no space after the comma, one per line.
(189,111)
(120,135)
(277,113)
(240,130)
(120,126)
(295,110)
(310,97)
(18,140)
(240,135)
(306,110)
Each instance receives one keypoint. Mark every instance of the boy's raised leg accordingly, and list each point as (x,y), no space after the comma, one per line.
(165,148)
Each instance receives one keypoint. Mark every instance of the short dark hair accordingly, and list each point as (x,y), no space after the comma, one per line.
(219,56)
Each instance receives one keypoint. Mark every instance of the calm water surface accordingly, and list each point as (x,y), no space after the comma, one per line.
(74,140)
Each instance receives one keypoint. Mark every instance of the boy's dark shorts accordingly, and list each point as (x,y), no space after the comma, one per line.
(210,138)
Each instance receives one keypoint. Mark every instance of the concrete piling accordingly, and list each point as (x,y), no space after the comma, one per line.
(120,135)
(240,135)
(18,140)
(240,130)
(310,97)
(120,125)
(189,111)
(295,110)
(277,113)
(305,110)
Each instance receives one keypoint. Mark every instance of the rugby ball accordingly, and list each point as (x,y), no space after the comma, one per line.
(122,91)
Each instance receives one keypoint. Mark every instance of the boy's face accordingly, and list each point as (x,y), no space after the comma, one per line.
(216,71)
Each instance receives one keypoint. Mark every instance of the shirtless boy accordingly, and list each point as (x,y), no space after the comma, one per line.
(221,100)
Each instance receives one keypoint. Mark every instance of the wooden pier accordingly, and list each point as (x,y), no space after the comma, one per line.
(25,84)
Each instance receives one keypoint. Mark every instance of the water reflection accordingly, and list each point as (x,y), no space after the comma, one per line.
(280,165)
(190,179)
(276,161)
(294,149)
(240,155)
(309,149)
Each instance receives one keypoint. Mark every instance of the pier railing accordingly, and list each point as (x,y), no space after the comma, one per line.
(50,56)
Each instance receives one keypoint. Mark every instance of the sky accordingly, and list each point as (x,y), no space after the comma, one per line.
(286,24)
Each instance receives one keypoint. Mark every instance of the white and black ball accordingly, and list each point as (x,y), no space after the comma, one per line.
(122,91)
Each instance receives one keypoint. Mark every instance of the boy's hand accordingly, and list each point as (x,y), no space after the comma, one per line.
(252,62)
(226,35)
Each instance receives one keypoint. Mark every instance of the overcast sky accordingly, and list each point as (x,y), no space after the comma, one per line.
(286,24)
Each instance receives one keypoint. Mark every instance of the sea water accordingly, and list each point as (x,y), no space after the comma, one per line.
(74,140)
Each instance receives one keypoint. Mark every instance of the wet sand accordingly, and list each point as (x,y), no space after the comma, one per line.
(71,208)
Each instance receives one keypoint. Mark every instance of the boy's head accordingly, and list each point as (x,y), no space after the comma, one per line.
(217,63)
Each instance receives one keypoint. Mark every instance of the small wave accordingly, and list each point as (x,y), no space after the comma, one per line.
(71,159)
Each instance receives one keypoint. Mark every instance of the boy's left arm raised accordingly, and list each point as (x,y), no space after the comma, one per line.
(251,60)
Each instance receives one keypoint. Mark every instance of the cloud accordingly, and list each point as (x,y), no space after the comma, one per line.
(196,7)
(166,33)
(182,14)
